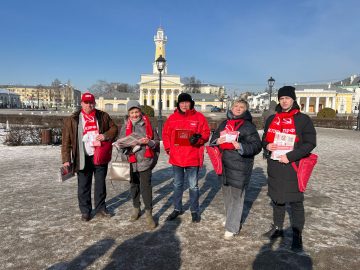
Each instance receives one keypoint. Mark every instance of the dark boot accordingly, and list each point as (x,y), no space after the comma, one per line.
(296,245)
(274,232)
(173,215)
(195,217)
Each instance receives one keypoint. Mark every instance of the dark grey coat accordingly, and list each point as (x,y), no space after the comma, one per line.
(282,178)
(237,164)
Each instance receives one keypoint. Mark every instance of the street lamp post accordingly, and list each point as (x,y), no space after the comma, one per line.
(271,83)
(160,63)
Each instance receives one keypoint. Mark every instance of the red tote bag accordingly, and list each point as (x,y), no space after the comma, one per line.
(304,170)
(102,154)
(215,158)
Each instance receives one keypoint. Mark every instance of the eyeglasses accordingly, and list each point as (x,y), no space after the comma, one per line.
(89,102)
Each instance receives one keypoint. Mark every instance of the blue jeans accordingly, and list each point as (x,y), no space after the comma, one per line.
(179,178)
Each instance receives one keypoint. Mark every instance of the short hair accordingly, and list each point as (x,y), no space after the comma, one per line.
(240,100)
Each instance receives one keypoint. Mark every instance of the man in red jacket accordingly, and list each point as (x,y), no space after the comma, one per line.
(184,135)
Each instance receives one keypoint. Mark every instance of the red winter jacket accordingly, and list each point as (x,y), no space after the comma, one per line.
(185,156)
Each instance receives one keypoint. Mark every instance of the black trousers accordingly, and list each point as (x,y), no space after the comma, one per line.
(141,183)
(297,214)
(84,186)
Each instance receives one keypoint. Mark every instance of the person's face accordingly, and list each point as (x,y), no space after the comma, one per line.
(184,106)
(286,103)
(134,114)
(87,106)
(238,108)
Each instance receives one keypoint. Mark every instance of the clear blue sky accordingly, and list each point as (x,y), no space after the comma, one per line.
(239,44)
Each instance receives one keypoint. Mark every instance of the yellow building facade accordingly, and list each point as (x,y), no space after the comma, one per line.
(313,98)
(46,96)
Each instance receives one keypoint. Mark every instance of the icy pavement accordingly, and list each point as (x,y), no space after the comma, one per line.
(40,224)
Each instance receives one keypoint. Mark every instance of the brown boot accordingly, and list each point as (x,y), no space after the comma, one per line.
(135,214)
(149,219)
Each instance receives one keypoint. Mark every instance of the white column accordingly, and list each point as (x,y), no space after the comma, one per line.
(141,98)
(307,104)
(148,100)
(156,105)
(172,98)
(333,103)
(317,105)
(327,102)
(164,99)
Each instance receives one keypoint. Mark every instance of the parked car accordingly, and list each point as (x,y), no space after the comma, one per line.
(215,109)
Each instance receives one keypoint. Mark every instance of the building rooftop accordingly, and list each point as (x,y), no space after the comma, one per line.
(119,95)
(5,91)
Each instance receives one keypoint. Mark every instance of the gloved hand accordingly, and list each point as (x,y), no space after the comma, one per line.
(194,138)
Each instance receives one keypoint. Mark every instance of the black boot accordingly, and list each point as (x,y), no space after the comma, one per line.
(274,232)
(296,245)
(173,215)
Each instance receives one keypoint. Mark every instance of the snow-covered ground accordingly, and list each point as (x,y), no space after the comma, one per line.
(40,223)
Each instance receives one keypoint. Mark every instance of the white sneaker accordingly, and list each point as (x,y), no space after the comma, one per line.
(228,235)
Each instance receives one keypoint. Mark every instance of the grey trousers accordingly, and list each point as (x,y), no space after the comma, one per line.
(234,204)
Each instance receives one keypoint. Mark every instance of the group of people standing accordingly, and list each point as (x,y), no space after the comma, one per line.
(185,133)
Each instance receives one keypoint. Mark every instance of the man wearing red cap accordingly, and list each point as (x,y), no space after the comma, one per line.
(82,131)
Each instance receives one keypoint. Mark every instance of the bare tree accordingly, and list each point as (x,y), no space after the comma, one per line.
(56,83)
(103,87)
(191,84)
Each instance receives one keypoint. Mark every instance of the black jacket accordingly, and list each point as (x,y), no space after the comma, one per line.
(282,178)
(237,168)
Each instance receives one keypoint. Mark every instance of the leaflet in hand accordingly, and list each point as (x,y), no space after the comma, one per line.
(65,173)
(129,141)
(284,143)
(90,138)
(182,137)
(229,136)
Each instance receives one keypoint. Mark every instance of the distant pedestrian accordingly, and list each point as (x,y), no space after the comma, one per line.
(238,161)
(282,178)
(184,135)
(142,157)
(81,131)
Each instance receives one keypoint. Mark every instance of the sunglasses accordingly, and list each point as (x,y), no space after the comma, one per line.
(89,102)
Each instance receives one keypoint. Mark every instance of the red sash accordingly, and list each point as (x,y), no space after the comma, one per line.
(282,122)
(149,153)
(231,125)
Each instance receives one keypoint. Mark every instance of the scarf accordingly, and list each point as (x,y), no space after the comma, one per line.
(282,122)
(90,122)
(149,153)
(231,125)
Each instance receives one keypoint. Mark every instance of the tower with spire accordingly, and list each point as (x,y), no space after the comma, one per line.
(160,41)
(149,83)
